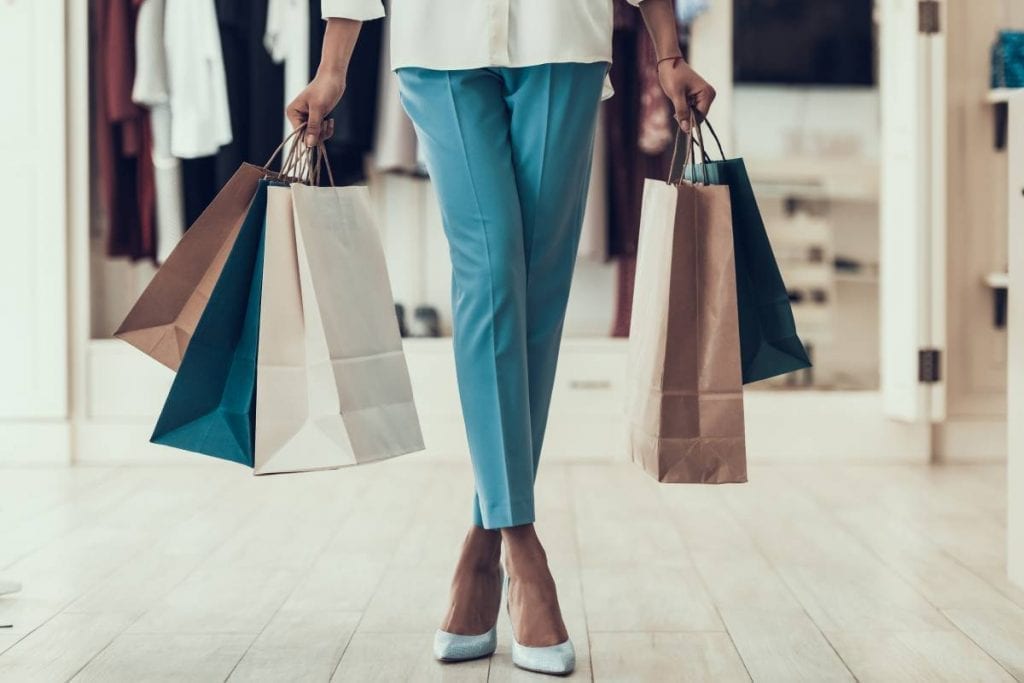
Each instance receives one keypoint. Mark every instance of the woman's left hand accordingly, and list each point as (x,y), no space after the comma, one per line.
(686,89)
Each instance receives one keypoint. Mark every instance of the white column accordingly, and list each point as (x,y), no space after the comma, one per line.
(33,233)
(1015,341)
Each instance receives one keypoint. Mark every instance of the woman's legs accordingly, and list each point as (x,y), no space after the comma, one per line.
(464,126)
(509,152)
(554,116)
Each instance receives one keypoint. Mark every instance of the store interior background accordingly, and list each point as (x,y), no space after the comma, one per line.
(934,248)
(816,156)
(901,182)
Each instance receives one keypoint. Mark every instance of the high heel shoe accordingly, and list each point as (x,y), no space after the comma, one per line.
(454,647)
(556,660)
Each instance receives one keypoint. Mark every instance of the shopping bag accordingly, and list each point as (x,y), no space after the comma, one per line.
(768,335)
(162,321)
(333,387)
(165,316)
(210,408)
(685,392)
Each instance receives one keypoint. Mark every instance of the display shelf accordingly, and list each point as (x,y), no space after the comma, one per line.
(997,280)
(813,178)
(1001,95)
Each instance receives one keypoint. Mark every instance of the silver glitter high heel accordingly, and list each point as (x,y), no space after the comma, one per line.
(453,647)
(556,660)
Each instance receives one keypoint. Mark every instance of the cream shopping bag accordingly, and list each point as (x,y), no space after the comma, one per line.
(333,387)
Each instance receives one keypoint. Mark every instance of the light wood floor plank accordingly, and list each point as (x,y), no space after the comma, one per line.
(61,647)
(389,657)
(620,519)
(648,597)
(822,573)
(916,656)
(642,657)
(27,493)
(776,638)
(297,646)
(783,646)
(998,631)
(63,569)
(166,657)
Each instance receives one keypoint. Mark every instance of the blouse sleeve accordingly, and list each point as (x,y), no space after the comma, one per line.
(361,10)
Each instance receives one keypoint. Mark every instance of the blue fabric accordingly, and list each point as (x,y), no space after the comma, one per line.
(1008,60)
(211,406)
(509,153)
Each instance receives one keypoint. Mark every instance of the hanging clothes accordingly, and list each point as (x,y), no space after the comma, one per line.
(151,90)
(200,116)
(637,112)
(355,117)
(287,42)
(122,134)
(200,184)
(255,86)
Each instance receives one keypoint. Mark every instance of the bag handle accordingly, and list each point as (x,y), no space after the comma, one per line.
(284,142)
(322,162)
(695,139)
(302,164)
(688,143)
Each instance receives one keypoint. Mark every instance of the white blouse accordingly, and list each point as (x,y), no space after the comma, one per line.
(470,34)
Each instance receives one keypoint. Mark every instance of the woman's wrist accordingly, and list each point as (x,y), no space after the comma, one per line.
(339,42)
(660,17)
(332,72)
(669,53)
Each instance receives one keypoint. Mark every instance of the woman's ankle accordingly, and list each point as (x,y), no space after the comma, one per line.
(482,548)
(525,557)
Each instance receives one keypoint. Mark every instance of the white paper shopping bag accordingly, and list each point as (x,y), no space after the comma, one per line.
(333,386)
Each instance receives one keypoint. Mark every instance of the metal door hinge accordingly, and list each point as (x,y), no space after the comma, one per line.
(929,366)
(929,13)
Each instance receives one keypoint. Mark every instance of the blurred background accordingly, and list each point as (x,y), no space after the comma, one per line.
(885,140)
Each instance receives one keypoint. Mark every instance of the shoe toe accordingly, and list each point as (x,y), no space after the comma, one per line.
(558,660)
(452,647)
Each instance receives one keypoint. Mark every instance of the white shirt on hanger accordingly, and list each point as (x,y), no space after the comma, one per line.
(287,42)
(200,117)
(471,34)
(151,90)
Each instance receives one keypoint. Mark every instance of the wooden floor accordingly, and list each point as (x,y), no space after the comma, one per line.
(201,573)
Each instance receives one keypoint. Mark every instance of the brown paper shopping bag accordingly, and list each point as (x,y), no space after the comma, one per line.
(333,387)
(164,318)
(685,393)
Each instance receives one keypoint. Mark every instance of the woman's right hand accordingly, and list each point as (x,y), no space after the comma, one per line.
(314,104)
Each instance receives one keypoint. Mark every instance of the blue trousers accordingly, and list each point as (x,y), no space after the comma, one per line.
(509,152)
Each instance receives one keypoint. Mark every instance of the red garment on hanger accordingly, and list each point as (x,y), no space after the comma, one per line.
(121,133)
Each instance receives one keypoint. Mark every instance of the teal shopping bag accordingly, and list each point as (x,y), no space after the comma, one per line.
(769,344)
(211,406)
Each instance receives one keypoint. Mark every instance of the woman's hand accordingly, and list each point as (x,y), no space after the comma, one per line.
(320,97)
(686,89)
(314,103)
(681,84)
